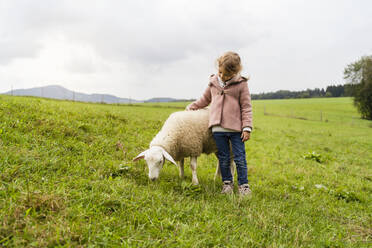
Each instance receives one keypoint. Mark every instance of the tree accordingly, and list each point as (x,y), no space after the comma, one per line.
(336,90)
(359,75)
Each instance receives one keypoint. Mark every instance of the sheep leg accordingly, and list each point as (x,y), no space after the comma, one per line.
(181,169)
(218,172)
(193,161)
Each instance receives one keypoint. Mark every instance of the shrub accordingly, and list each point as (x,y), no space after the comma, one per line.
(359,75)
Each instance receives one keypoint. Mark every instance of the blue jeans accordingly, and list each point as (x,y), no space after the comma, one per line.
(238,149)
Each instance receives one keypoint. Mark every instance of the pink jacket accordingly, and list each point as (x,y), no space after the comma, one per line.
(230,106)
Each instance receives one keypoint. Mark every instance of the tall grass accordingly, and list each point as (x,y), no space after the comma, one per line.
(67,179)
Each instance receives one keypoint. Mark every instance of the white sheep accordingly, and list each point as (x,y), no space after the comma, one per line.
(184,134)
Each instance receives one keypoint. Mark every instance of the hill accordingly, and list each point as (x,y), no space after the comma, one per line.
(59,92)
(67,179)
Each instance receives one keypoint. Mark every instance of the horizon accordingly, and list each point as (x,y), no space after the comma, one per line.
(153,97)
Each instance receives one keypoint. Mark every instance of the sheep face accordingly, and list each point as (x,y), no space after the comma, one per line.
(155,160)
(155,157)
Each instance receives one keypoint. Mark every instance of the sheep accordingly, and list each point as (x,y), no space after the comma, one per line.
(184,134)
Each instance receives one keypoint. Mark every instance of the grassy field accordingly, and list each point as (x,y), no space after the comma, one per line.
(67,179)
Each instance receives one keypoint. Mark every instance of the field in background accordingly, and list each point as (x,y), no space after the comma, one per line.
(314,109)
(67,179)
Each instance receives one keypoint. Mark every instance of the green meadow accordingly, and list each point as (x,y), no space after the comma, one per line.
(67,179)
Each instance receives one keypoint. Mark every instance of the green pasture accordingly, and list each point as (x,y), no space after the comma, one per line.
(67,179)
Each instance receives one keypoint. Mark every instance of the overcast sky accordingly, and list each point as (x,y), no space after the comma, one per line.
(143,49)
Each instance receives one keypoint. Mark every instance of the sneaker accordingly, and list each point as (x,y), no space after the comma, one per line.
(244,190)
(227,187)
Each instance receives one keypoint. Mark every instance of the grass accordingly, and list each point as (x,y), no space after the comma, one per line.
(67,179)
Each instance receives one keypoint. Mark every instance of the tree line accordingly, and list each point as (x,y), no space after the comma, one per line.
(331,91)
(358,76)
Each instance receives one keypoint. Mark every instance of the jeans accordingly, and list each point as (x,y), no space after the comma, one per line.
(238,149)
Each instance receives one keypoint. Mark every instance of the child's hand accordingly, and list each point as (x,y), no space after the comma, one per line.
(189,108)
(245,136)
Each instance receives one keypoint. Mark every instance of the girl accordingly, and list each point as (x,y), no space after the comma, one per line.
(230,118)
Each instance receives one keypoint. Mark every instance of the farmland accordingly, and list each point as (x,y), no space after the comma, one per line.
(67,178)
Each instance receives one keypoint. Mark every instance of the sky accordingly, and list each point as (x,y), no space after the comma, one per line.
(167,48)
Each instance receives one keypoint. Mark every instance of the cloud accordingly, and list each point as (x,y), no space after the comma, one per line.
(127,47)
(24,24)
(143,31)
(11,48)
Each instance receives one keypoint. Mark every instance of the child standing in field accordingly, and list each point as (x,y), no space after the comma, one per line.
(230,118)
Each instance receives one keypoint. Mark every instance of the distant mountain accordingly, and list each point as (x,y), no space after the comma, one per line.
(167,99)
(59,92)
(161,99)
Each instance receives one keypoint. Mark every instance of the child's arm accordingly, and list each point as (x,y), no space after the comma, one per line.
(246,107)
(202,102)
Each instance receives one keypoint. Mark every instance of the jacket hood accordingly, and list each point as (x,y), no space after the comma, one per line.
(235,80)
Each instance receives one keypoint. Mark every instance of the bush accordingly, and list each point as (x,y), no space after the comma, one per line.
(359,75)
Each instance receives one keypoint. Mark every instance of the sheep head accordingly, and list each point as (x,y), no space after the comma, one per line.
(155,157)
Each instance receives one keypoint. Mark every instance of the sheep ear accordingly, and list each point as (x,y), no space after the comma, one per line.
(169,157)
(140,156)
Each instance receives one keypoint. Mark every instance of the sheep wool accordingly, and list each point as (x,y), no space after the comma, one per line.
(186,134)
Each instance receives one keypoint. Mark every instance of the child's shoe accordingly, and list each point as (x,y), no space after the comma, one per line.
(244,190)
(227,187)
